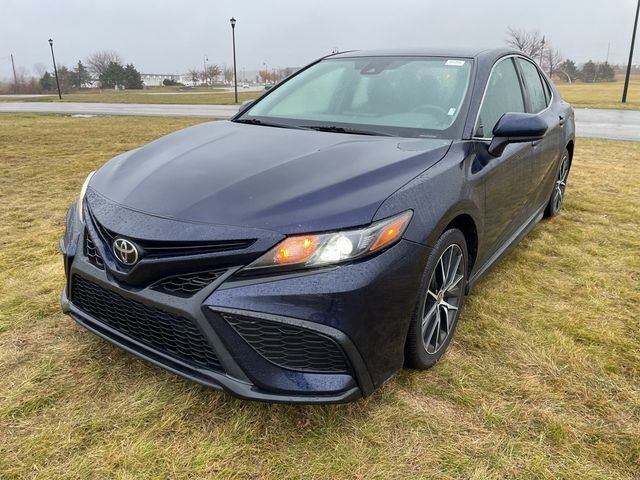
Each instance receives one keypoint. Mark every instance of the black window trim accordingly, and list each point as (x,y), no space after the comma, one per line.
(524,92)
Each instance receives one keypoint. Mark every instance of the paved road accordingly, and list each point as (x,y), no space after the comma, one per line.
(613,124)
(596,123)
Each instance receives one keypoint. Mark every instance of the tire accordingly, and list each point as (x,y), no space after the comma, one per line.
(433,322)
(559,186)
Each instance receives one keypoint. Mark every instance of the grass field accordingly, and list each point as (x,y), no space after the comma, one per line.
(542,380)
(142,96)
(601,95)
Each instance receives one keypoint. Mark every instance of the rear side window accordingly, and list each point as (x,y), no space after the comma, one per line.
(533,84)
(503,95)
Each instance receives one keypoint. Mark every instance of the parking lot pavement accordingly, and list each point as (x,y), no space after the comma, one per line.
(595,123)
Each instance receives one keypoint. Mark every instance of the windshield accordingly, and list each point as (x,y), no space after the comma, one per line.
(403,96)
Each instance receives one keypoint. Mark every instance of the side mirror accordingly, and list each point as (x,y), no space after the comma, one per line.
(516,128)
(244,105)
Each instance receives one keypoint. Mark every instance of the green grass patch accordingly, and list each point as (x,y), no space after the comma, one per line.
(154,95)
(541,381)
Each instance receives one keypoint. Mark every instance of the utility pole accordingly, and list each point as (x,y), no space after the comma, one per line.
(55,69)
(633,42)
(15,78)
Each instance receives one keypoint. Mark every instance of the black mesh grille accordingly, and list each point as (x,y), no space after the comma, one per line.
(170,334)
(91,252)
(187,285)
(290,347)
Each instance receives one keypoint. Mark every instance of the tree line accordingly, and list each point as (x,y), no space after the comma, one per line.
(104,69)
(539,47)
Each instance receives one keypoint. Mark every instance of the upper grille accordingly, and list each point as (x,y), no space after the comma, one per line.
(170,334)
(158,248)
(188,284)
(91,252)
(290,347)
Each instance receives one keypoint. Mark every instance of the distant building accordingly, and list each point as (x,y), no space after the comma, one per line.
(155,79)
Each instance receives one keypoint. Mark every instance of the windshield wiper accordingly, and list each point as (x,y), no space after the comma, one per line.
(255,121)
(353,131)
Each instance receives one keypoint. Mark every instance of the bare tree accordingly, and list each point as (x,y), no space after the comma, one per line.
(194,76)
(228,74)
(39,69)
(529,42)
(210,75)
(98,62)
(553,60)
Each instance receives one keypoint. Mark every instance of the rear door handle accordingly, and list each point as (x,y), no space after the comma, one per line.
(561,120)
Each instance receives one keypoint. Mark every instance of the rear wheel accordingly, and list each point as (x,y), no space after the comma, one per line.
(438,308)
(557,196)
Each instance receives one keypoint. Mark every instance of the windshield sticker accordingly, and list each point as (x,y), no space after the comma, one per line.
(455,63)
(452,112)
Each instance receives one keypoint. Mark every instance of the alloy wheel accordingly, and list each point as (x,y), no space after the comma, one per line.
(444,297)
(561,184)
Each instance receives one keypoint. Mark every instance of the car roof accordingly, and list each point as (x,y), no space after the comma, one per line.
(486,54)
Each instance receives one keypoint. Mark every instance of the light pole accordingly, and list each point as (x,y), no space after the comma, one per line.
(235,77)
(633,42)
(266,72)
(204,72)
(55,69)
(542,51)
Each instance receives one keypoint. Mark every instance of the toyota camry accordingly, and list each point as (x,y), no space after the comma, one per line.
(327,235)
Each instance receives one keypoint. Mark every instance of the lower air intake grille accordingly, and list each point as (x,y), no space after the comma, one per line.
(188,284)
(173,335)
(91,252)
(289,346)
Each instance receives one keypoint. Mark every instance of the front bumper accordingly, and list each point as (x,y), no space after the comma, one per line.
(358,311)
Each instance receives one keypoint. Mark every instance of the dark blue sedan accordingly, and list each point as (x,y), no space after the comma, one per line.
(328,234)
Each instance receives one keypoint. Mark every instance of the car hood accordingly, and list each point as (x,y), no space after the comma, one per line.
(286,180)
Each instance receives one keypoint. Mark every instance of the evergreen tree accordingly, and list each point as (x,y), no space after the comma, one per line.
(569,68)
(132,79)
(606,73)
(80,76)
(47,82)
(588,72)
(113,76)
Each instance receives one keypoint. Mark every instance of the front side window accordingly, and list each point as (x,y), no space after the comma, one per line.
(404,96)
(534,86)
(503,95)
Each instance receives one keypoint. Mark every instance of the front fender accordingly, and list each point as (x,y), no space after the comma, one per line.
(440,194)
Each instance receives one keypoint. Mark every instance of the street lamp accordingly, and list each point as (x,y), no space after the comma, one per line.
(235,77)
(633,41)
(204,72)
(266,72)
(55,69)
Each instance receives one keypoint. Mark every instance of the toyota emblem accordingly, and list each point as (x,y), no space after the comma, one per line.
(125,251)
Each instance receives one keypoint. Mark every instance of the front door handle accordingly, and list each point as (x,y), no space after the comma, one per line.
(561,120)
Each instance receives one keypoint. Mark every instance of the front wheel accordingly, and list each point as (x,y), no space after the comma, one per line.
(438,307)
(557,196)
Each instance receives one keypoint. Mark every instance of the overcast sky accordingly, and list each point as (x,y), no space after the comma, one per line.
(171,37)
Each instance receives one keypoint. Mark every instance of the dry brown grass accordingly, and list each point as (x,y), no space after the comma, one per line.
(601,95)
(543,379)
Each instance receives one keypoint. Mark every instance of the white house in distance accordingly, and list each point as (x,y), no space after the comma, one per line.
(155,79)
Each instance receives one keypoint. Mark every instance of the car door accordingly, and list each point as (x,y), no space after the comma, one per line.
(546,152)
(507,177)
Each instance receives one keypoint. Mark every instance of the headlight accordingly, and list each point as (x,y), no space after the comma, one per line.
(83,192)
(318,250)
